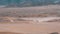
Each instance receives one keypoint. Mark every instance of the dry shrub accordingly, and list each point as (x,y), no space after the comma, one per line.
(54,33)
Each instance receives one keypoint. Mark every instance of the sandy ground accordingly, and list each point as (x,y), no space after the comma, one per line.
(39,19)
(40,11)
(43,28)
(31,27)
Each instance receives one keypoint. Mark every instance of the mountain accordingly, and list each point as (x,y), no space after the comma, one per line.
(18,3)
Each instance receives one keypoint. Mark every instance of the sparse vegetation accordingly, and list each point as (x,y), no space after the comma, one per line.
(54,33)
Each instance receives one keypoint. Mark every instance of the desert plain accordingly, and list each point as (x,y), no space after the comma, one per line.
(30,20)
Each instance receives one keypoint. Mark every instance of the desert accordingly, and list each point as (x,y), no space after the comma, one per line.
(30,20)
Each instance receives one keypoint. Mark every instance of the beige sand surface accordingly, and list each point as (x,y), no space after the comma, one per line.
(30,28)
(42,28)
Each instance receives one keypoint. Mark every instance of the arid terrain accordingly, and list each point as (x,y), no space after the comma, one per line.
(30,20)
(40,11)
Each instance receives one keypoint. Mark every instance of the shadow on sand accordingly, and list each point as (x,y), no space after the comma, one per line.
(10,33)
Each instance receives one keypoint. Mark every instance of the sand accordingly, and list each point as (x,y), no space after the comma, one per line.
(30,28)
(26,27)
